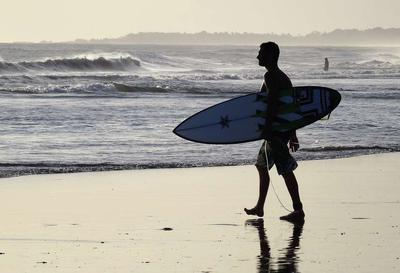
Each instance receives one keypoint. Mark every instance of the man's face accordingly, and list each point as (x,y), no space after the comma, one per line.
(263,57)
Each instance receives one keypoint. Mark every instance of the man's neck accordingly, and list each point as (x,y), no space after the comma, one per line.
(272,67)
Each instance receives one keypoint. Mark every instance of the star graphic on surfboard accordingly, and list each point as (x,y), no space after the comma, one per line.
(224,122)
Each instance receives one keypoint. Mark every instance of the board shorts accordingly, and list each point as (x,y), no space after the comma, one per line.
(278,154)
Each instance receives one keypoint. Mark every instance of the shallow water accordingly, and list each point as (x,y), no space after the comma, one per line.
(60,111)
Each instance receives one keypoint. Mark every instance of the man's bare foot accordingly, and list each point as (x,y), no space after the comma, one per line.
(255,211)
(296,216)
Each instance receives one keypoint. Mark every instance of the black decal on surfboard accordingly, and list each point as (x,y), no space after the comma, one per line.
(225,122)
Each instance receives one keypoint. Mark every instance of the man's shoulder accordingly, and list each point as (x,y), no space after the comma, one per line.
(278,78)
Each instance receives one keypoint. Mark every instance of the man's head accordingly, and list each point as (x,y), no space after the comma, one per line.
(268,55)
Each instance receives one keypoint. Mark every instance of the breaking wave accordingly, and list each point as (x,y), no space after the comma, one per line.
(71,64)
(366,64)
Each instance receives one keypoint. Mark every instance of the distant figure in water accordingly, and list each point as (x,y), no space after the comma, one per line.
(326,66)
(275,148)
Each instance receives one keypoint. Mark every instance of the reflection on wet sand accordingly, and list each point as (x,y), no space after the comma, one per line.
(289,259)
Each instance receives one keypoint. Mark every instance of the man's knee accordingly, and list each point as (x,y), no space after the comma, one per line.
(288,175)
(262,168)
(290,178)
(263,171)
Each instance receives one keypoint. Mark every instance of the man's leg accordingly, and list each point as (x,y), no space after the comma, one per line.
(263,189)
(293,188)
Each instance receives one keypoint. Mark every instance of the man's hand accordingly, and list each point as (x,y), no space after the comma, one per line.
(294,143)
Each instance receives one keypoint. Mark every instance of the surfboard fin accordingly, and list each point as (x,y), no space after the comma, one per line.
(326,117)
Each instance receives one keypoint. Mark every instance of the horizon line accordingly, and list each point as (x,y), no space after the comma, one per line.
(198,32)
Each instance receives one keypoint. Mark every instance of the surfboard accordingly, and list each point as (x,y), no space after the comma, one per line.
(242,119)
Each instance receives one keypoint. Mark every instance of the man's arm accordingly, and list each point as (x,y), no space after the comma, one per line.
(294,144)
(272,109)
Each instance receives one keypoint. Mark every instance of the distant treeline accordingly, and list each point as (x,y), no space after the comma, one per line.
(375,36)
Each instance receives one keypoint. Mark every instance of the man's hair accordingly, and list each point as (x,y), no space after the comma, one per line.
(271,48)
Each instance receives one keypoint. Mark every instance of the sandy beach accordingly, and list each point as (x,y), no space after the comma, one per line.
(192,220)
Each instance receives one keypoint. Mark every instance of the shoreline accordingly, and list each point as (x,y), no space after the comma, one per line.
(45,169)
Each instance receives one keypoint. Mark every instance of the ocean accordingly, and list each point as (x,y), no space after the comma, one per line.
(61,112)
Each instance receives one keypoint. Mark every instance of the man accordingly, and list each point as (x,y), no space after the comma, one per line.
(276,143)
(326,66)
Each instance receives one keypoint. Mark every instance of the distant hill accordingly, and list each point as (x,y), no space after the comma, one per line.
(347,37)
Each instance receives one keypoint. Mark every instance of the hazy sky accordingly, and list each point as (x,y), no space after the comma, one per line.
(61,20)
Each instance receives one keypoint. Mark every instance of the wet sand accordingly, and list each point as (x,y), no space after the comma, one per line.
(192,220)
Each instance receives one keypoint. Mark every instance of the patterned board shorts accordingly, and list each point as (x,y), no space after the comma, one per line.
(278,154)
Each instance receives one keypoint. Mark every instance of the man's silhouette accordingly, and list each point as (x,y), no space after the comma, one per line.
(275,149)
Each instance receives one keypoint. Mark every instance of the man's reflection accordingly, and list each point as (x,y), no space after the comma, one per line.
(287,263)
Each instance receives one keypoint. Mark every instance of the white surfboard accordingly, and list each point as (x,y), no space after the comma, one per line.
(242,119)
